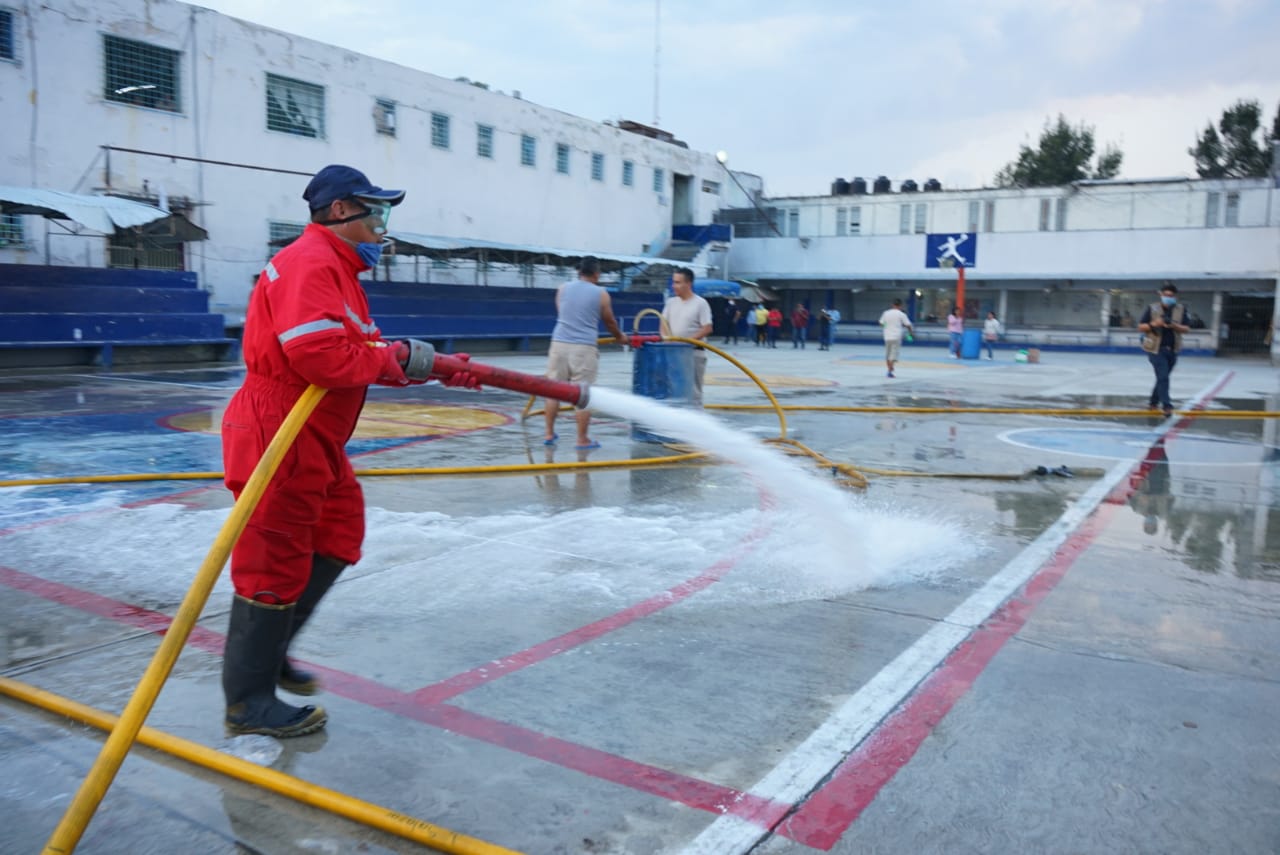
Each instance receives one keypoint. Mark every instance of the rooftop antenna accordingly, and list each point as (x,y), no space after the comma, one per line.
(657,55)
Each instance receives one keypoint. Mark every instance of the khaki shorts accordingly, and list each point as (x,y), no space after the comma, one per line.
(577,363)
(891,350)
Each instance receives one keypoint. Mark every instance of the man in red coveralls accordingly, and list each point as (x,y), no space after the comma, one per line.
(308,323)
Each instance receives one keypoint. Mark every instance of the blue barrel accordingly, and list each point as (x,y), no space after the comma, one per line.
(662,371)
(971,344)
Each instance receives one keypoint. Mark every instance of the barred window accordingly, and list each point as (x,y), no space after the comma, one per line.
(11,233)
(7,49)
(659,180)
(562,158)
(628,173)
(528,150)
(281,234)
(484,141)
(384,116)
(709,186)
(295,107)
(439,130)
(597,166)
(140,74)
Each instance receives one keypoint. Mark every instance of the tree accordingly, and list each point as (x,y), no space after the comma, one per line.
(1235,148)
(1063,156)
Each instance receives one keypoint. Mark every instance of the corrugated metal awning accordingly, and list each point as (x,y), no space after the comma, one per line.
(101,213)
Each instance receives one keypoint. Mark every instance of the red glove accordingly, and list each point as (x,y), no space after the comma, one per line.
(393,369)
(465,379)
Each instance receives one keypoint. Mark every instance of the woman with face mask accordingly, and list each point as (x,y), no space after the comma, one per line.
(1162,326)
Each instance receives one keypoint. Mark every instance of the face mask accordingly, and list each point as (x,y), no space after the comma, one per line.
(1169,301)
(369,253)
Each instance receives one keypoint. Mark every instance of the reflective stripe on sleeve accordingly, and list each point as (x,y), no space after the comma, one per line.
(368,329)
(307,328)
(271,272)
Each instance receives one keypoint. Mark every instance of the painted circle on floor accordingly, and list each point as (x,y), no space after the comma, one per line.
(1120,444)
(378,420)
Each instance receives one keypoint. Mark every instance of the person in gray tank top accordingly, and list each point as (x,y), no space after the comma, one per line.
(581,305)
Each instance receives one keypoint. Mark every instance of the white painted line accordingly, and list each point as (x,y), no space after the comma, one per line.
(810,762)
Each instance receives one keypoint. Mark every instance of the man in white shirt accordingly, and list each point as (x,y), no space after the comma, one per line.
(894,321)
(689,316)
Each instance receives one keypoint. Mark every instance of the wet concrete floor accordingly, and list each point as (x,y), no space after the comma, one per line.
(689,659)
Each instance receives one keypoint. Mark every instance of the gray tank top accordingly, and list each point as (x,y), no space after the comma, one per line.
(579,319)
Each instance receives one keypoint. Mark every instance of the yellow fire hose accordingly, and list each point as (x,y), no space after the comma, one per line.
(332,801)
(95,785)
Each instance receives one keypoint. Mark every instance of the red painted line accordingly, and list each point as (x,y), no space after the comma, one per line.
(96,604)
(459,683)
(824,817)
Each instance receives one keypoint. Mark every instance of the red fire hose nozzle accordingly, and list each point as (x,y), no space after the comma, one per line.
(642,340)
(444,366)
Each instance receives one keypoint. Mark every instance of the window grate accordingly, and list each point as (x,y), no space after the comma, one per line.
(562,158)
(528,150)
(659,180)
(484,141)
(440,130)
(628,173)
(384,116)
(295,107)
(140,74)
(7,48)
(597,166)
(11,231)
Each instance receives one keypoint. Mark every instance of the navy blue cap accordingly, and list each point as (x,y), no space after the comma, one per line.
(336,182)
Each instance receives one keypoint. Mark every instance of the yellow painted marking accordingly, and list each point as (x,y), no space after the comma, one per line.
(379,420)
(769,379)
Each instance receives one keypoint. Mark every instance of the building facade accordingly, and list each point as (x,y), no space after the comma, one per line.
(1064,265)
(223,121)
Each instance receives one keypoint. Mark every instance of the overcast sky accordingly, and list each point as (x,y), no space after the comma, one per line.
(806,91)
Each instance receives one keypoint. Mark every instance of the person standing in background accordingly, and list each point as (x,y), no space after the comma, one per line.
(581,304)
(774,322)
(732,314)
(955,332)
(799,326)
(1163,324)
(895,322)
(991,331)
(689,316)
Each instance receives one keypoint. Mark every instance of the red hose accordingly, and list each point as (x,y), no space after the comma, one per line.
(577,394)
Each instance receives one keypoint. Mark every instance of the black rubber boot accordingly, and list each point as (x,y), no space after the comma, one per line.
(324,572)
(257,638)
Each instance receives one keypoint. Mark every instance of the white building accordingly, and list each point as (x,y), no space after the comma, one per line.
(225,121)
(1065,265)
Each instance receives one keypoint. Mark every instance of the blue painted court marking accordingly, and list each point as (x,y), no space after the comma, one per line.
(1119,444)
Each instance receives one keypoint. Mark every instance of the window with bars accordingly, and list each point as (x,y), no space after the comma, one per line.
(628,173)
(842,221)
(135,251)
(855,220)
(1061,214)
(11,231)
(484,141)
(295,107)
(562,158)
(8,50)
(904,219)
(384,116)
(1044,214)
(989,216)
(281,234)
(597,166)
(709,186)
(974,207)
(659,180)
(440,130)
(140,74)
(922,217)
(528,150)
